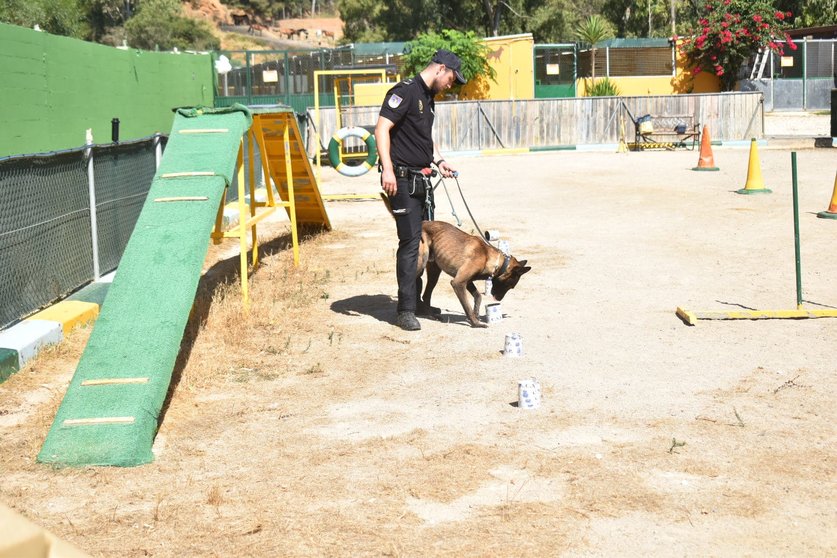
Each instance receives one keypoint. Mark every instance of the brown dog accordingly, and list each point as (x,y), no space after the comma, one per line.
(466,258)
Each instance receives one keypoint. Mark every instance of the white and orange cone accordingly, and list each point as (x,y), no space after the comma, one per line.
(706,162)
(831,212)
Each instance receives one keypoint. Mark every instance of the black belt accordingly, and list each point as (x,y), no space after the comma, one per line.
(406,172)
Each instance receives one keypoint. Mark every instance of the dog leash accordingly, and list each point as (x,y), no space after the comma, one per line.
(450,201)
(464,201)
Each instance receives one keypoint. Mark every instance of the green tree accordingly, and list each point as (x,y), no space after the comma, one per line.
(158,24)
(549,21)
(402,20)
(60,17)
(103,17)
(361,20)
(467,46)
(645,18)
(729,32)
(594,29)
(817,12)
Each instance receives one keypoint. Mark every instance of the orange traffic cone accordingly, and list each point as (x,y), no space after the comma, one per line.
(831,212)
(755,183)
(706,162)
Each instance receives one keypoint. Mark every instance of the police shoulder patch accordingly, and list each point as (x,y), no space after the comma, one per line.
(394,101)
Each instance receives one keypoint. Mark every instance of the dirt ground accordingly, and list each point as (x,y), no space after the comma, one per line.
(317,428)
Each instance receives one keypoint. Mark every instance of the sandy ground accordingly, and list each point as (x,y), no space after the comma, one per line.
(317,428)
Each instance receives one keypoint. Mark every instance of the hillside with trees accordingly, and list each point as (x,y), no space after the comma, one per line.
(167,24)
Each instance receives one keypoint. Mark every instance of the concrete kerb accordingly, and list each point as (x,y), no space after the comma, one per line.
(21,342)
(24,340)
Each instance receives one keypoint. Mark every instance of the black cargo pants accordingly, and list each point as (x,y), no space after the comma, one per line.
(409,209)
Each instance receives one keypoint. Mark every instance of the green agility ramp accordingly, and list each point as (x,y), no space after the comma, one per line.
(109,415)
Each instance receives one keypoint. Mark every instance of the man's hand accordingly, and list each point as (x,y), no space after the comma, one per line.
(446,170)
(388,182)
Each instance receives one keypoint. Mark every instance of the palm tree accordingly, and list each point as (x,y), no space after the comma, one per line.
(594,29)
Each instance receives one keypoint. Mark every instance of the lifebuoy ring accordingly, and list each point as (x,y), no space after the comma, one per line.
(334,151)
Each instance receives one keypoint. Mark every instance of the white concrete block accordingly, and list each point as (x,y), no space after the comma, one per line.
(28,336)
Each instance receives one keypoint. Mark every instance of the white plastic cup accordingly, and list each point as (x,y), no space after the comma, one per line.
(528,394)
(492,235)
(493,313)
(513,346)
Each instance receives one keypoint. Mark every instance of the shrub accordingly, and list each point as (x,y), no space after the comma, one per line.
(603,88)
(158,24)
(730,32)
(467,46)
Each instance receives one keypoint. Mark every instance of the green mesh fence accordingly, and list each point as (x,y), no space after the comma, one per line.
(46,248)
(123,174)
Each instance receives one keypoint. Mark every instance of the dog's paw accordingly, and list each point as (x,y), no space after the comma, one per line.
(478,324)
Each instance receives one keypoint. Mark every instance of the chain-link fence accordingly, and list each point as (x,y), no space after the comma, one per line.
(287,76)
(799,79)
(47,247)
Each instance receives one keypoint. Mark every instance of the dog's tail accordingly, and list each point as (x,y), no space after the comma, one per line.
(388,205)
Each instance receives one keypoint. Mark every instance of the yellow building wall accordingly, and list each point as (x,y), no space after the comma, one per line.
(682,82)
(512,59)
(371,94)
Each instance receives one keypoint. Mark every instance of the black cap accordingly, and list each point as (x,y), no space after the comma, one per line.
(450,60)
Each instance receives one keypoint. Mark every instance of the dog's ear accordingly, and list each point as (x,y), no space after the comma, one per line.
(522,262)
(521,270)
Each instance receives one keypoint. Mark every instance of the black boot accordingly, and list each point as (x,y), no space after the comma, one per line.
(407,321)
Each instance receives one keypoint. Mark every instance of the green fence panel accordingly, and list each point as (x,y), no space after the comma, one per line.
(55,88)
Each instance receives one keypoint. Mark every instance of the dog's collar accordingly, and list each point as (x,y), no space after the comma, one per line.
(504,267)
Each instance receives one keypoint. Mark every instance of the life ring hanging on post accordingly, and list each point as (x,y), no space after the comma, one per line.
(337,141)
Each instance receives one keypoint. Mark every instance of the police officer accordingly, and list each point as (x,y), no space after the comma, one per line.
(405,146)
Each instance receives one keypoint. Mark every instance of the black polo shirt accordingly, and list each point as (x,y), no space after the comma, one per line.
(410,106)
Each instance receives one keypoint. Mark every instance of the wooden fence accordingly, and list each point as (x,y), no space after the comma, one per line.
(478,125)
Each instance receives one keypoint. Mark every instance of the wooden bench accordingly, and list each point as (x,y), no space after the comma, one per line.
(666,132)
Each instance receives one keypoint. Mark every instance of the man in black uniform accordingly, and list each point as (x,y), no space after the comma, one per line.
(405,146)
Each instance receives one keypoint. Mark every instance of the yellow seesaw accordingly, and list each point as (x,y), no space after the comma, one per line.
(691,318)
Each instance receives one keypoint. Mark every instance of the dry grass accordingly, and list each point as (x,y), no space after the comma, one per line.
(309,426)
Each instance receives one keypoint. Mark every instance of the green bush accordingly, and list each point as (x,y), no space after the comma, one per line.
(603,88)
(159,25)
(59,17)
(467,46)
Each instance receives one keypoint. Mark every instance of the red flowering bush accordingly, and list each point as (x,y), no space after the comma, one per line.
(729,32)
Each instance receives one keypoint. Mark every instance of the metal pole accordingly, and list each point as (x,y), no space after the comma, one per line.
(805,74)
(287,79)
(91,190)
(479,126)
(607,62)
(249,79)
(796,233)
(158,150)
(772,87)
(575,70)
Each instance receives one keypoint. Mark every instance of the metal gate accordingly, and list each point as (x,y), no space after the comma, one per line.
(555,70)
